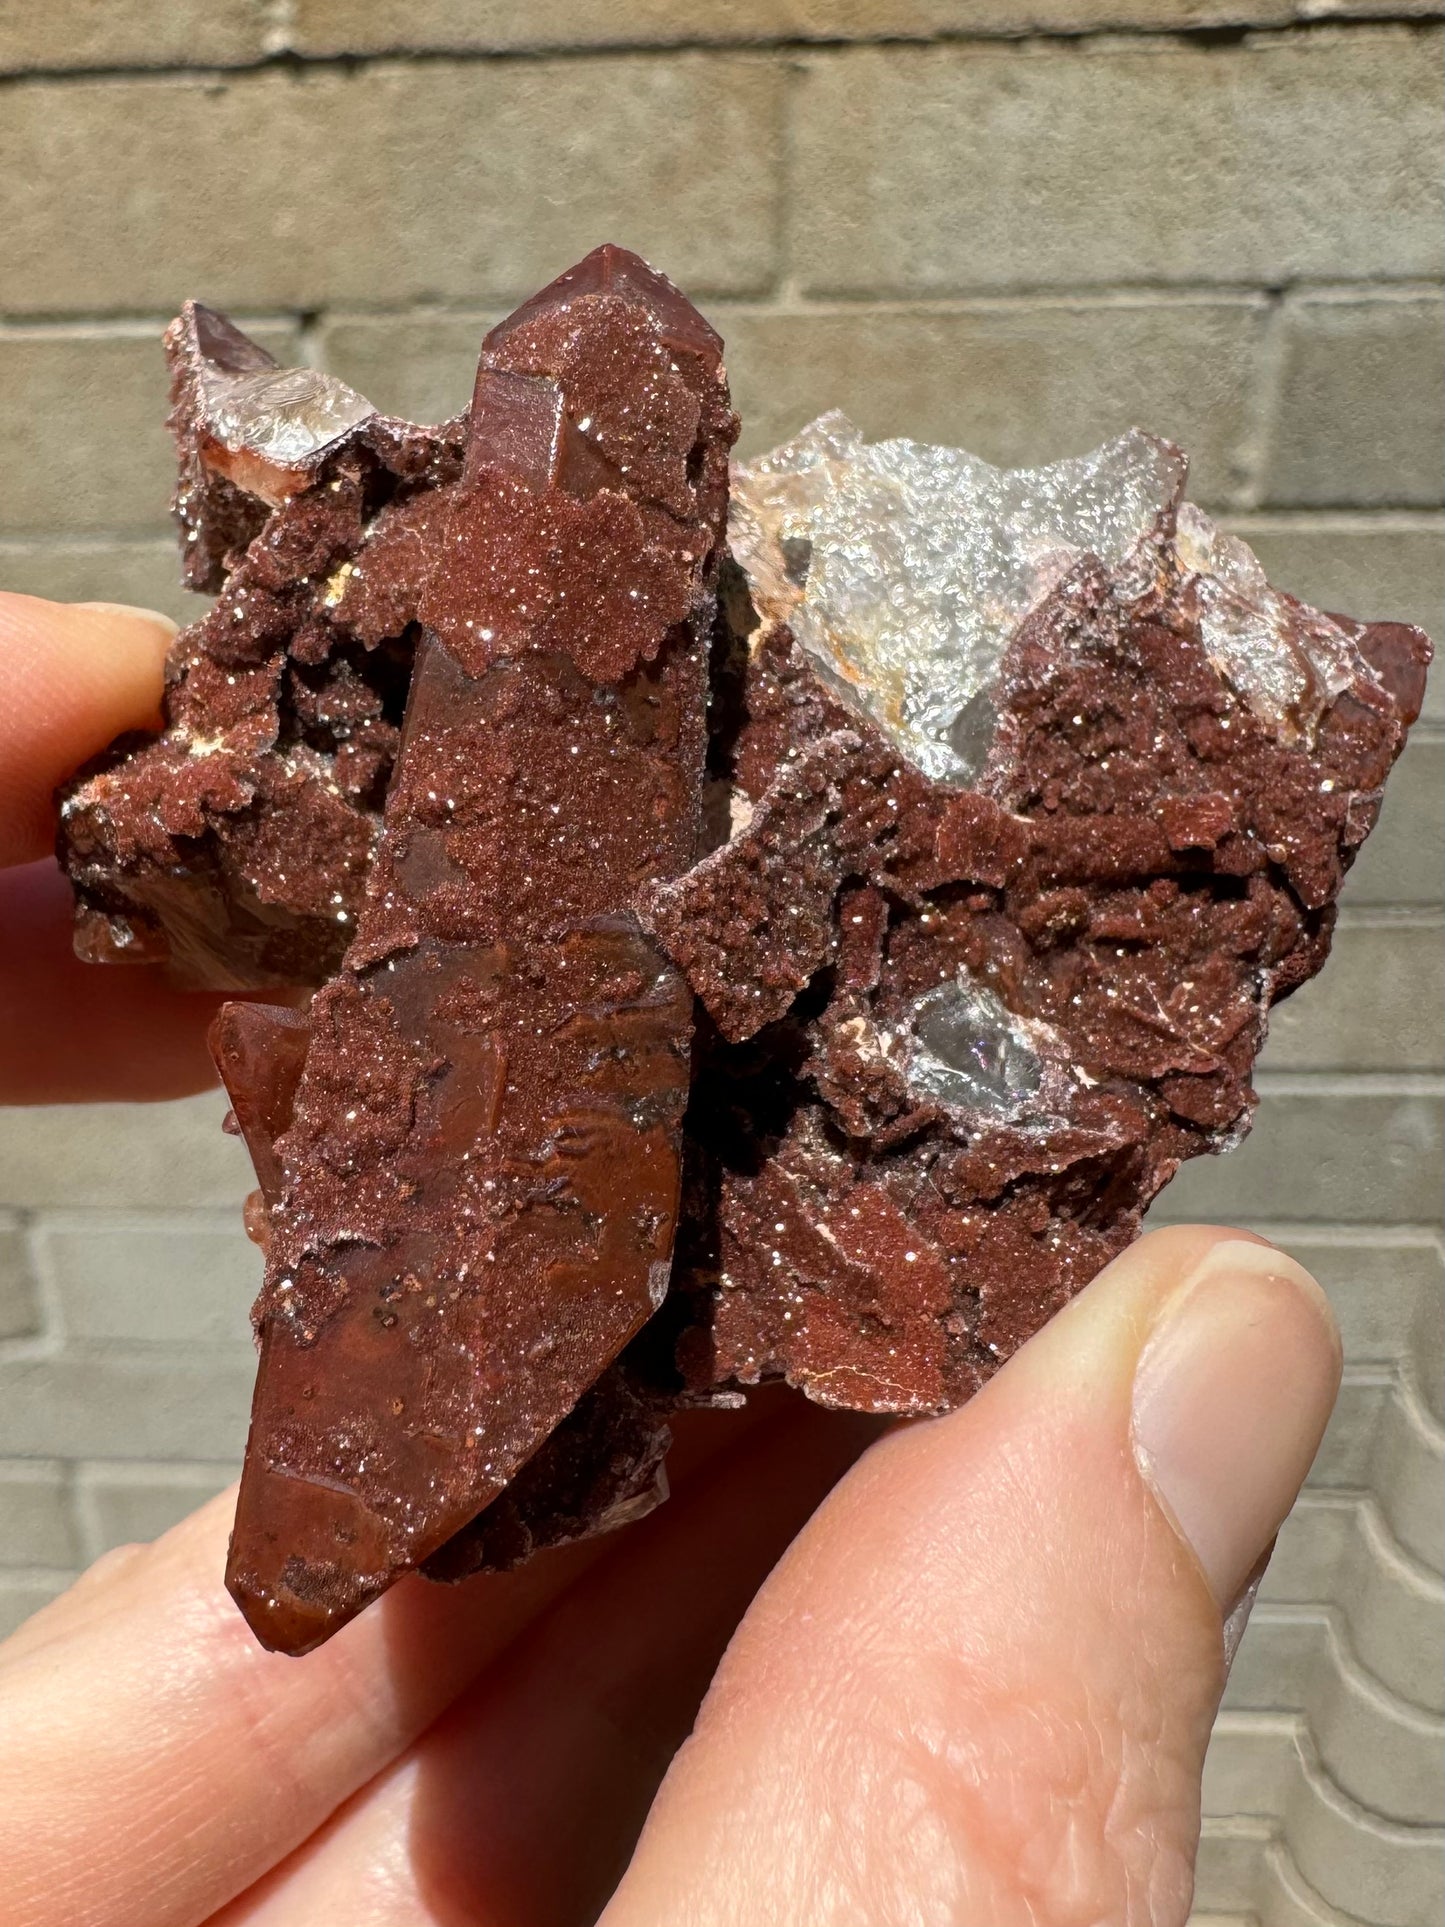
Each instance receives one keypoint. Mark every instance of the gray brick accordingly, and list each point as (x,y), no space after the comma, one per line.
(24,1593)
(151,1279)
(1015,382)
(949,169)
(1378,1005)
(358,26)
(1377,569)
(1403,860)
(128,1156)
(391,183)
(1380,1282)
(1343,1460)
(1359,418)
(1331,1152)
(35,1521)
(19,1312)
(421,365)
(101,33)
(1428,1346)
(96,570)
(114,1403)
(124,1502)
(83,443)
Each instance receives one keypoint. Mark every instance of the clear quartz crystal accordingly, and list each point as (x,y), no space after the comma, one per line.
(1287,661)
(965,1048)
(284,416)
(903,569)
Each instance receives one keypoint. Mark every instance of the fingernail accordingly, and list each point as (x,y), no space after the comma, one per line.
(133,609)
(1231,1396)
(1237,1618)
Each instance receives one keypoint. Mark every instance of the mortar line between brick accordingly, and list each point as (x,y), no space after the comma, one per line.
(1390,916)
(121,324)
(1368,1376)
(1415,1236)
(1284,520)
(81,1543)
(1337,1083)
(785,291)
(783,301)
(1083,42)
(309,324)
(50,1335)
(192,1353)
(278,25)
(1263,410)
(85,1515)
(1342,521)
(14,542)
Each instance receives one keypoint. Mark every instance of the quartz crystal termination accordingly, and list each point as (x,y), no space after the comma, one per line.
(476,1191)
(1043,796)
(235,847)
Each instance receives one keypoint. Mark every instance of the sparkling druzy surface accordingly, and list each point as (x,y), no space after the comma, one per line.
(479,1179)
(1042,796)
(803,966)
(904,568)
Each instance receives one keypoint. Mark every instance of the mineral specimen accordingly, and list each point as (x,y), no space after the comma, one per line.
(819,992)
(479,1177)
(1099,791)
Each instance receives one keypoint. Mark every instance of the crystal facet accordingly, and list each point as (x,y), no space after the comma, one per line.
(1288,661)
(903,569)
(968,1050)
(271,424)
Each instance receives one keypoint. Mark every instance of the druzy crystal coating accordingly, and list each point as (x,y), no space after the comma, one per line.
(812,982)
(903,568)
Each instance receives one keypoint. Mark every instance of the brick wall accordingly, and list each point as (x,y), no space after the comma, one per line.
(1015,224)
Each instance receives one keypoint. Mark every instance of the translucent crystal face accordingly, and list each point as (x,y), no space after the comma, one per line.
(1287,661)
(965,1048)
(285,415)
(903,569)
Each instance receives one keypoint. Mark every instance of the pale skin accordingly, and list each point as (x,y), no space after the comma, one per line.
(963,1672)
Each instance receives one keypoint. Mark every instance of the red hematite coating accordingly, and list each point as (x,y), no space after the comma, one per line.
(462,749)
(479,1182)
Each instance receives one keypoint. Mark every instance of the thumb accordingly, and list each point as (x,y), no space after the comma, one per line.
(980,1685)
(76,674)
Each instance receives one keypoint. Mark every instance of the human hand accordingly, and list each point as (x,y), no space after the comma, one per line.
(75,676)
(976,1686)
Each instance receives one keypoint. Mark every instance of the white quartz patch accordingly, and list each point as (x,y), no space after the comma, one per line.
(285,416)
(903,569)
(966,1049)
(1287,661)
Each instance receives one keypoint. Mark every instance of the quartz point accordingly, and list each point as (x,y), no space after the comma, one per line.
(479,1183)
(805,964)
(249,433)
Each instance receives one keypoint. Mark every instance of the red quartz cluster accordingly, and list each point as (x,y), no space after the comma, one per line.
(668,1028)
